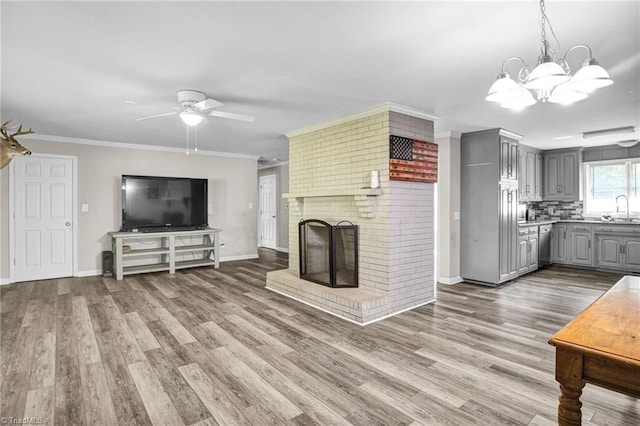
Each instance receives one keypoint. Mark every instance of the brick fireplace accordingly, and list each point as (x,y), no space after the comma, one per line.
(330,165)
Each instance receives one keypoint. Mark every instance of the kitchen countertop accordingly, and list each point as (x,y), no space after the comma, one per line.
(590,221)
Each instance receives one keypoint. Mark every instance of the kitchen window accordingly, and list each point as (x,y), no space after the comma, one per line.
(606,180)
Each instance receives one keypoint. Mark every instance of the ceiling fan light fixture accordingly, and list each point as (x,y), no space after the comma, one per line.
(191,118)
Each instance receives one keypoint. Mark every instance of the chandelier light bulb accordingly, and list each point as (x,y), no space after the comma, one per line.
(546,76)
(521,101)
(503,89)
(589,78)
(565,94)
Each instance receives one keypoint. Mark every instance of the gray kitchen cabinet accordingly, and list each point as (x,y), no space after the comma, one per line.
(529,174)
(581,246)
(618,247)
(609,249)
(509,152)
(527,249)
(508,262)
(559,245)
(544,244)
(522,168)
(562,174)
(523,251)
(537,184)
(488,206)
(631,254)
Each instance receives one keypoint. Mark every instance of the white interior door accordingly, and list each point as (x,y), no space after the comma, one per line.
(43,217)
(268,211)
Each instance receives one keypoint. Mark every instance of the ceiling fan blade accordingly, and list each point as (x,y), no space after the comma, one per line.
(207,104)
(232,116)
(156,116)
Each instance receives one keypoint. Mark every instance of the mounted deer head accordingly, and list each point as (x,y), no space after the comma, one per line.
(9,146)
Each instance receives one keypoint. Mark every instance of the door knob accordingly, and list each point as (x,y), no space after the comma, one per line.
(67,224)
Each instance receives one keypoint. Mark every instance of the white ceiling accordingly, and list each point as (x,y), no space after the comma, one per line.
(69,68)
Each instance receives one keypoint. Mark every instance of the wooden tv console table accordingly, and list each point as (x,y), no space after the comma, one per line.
(600,346)
(163,254)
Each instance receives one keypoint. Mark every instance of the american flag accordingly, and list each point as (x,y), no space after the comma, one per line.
(413,160)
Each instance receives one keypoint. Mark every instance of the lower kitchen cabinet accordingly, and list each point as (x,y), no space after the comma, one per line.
(631,252)
(527,249)
(581,247)
(609,251)
(618,252)
(559,246)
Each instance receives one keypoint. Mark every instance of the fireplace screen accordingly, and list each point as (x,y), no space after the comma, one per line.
(329,253)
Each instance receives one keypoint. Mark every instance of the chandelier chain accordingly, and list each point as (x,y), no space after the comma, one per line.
(544,21)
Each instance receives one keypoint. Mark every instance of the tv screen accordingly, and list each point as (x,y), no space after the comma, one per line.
(151,203)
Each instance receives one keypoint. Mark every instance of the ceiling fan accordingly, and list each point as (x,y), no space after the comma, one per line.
(195,106)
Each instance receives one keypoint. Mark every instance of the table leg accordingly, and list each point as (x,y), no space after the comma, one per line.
(569,365)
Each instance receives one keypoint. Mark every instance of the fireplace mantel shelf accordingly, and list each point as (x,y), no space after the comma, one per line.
(369,192)
(365,199)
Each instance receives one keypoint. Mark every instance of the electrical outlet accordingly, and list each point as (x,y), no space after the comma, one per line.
(552,210)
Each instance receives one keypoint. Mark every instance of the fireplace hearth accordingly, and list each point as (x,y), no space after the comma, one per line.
(328,253)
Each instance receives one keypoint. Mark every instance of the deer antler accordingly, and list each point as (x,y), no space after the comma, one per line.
(3,131)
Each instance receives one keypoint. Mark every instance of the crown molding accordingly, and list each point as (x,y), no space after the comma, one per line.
(449,134)
(276,164)
(386,107)
(111,144)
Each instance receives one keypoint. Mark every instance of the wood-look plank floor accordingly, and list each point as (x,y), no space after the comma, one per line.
(208,347)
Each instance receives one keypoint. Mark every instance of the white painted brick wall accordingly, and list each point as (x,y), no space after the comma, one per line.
(396,247)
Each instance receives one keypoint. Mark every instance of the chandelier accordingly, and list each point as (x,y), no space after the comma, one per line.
(550,80)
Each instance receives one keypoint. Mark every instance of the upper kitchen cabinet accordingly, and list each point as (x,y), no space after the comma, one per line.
(529,174)
(562,174)
(508,155)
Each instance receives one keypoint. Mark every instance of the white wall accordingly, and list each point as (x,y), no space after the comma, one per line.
(449,208)
(232,189)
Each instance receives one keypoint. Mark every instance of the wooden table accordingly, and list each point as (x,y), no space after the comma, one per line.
(600,346)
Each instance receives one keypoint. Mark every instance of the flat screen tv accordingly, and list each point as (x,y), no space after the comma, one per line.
(154,203)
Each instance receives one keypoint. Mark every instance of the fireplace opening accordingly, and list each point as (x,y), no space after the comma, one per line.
(328,253)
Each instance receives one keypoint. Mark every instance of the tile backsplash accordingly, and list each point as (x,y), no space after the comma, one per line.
(557,209)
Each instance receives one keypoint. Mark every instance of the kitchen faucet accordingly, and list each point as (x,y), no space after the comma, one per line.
(618,208)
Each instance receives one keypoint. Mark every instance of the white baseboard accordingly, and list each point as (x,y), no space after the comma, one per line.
(89,273)
(282,249)
(450,281)
(241,257)
(5,281)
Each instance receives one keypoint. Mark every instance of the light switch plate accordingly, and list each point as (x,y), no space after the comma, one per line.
(85,208)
